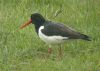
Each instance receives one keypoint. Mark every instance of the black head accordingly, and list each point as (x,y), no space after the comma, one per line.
(37,19)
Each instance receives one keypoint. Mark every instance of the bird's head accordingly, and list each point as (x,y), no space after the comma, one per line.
(36,18)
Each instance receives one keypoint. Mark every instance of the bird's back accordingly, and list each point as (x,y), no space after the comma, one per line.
(52,29)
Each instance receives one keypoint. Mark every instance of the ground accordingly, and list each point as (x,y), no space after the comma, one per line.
(23,50)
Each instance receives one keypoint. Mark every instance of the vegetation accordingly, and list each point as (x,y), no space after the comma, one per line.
(23,50)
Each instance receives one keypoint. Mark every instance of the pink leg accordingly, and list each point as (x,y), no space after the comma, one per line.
(49,50)
(60,52)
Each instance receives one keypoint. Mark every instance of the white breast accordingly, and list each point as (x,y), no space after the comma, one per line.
(51,39)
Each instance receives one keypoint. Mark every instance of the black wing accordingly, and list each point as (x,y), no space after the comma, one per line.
(57,29)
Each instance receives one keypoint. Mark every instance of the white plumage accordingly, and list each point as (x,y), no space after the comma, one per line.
(51,39)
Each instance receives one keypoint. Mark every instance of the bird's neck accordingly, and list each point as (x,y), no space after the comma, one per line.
(37,26)
(36,29)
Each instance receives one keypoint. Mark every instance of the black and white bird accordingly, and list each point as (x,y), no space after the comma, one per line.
(53,33)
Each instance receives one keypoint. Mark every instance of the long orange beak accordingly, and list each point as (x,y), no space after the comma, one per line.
(26,24)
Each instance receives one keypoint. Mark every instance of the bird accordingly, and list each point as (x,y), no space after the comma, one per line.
(53,33)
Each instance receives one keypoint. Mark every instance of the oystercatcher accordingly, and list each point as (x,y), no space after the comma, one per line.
(52,32)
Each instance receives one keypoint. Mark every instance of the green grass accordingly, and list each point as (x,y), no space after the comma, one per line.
(24,51)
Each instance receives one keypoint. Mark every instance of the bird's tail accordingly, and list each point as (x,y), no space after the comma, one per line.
(85,37)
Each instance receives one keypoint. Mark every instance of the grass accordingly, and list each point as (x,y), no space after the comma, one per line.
(24,51)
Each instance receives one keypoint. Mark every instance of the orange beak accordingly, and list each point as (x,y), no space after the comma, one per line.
(26,24)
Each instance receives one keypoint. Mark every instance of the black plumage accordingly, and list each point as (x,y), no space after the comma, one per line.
(55,29)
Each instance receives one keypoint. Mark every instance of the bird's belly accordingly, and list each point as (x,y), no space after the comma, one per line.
(52,39)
